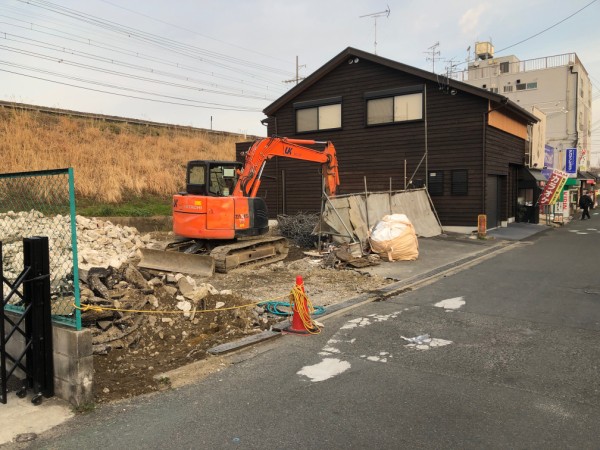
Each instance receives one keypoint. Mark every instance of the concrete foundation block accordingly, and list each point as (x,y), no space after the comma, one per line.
(73,365)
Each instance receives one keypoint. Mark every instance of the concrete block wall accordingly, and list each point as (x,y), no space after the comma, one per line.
(73,365)
(73,362)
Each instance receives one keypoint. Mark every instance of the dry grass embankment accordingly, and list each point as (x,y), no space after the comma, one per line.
(113,162)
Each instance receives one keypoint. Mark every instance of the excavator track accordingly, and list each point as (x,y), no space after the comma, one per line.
(250,253)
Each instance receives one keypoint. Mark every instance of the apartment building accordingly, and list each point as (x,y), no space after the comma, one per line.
(557,89)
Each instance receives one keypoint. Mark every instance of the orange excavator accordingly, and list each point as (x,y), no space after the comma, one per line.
(220,214)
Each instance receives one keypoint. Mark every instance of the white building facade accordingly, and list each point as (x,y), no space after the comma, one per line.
(557,86)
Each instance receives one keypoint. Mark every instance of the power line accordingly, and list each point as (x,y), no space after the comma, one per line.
(39,44)
(541,32)
(549,28)
(192,31)
(162,42)
(214,106)
(122,51)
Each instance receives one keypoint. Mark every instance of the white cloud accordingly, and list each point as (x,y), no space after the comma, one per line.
(469,22)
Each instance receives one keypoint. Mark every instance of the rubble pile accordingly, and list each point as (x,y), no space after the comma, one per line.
(100,244)
(176,310)
(113,290)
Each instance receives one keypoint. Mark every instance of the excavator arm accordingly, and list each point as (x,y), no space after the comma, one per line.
(264,149)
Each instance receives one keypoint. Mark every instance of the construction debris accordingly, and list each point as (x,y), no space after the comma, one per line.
(299,228)
(120,301)
(145,322)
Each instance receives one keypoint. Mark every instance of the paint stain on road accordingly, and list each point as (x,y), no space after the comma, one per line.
(328,368)
(451,303)
(433,343)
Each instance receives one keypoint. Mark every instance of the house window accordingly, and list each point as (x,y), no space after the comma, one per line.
(435,182)
(399,108)
(317,115)
(504,67)
(394,105)
(521,86)
(494,90)
(508,88)
(532,85)
(460,182)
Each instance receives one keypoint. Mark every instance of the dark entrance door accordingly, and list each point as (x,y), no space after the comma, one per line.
(492,201)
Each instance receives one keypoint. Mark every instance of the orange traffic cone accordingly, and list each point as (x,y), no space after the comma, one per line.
(301,320)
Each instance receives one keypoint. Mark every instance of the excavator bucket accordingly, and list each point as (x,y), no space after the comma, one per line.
(188,263)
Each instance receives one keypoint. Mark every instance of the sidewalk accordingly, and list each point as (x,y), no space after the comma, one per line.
(22,421)
(449,249)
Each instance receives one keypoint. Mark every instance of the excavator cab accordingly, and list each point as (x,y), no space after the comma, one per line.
(212,178)
(208,209)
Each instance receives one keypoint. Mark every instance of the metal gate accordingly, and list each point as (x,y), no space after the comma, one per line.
(31,290)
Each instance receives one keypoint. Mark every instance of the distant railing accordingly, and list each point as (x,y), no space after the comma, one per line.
(547,62)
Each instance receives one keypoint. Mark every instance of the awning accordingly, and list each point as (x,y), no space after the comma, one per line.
(588,176)
(537,174)
(527,173)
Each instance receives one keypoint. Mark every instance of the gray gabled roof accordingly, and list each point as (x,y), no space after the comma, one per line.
(348,52)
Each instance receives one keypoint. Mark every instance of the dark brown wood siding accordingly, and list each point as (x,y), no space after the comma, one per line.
(453,131)
(504,156)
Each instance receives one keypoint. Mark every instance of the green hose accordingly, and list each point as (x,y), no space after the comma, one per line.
(273,308)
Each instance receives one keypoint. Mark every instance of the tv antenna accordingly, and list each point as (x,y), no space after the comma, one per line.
(375,16)
(432,52)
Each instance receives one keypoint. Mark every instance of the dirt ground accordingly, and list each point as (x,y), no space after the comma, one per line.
(170,340)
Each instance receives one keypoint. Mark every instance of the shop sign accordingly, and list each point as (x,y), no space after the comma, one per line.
(571,160)
(548,161)
(553,187)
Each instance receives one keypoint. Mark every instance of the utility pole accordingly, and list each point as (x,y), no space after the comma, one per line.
(432,52)
(375,16)
(298,77)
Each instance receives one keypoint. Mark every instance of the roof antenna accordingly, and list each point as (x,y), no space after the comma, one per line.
(375,16)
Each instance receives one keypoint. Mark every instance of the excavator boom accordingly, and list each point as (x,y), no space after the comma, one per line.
(265,149)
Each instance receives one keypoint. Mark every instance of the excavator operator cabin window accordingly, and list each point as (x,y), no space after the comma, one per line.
(197,174)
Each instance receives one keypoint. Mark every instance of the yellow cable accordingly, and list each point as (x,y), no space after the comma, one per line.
(299,297)
(88,307)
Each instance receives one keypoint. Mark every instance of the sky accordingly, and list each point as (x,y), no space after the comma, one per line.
(218,64)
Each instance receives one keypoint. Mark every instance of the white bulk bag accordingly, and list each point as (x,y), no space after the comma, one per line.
(394,238)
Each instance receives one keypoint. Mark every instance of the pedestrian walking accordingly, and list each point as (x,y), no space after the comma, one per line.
(584,203)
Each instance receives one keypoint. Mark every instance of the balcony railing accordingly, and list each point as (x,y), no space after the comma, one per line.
(491,70)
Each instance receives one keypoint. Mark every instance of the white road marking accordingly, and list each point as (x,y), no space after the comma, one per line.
(435,342)
(451,303)
(328,368)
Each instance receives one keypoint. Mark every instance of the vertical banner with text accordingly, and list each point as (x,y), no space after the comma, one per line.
(553,187)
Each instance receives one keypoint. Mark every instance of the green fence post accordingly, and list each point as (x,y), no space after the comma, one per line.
(74,247)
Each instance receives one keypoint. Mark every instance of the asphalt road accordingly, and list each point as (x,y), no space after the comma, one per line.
(515,366)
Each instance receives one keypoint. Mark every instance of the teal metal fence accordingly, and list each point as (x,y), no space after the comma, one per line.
(42,203)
